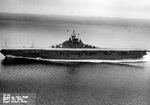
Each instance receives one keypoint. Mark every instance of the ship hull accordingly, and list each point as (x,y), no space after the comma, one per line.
(73,54)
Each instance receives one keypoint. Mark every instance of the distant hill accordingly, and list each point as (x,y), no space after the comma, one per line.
(62,19)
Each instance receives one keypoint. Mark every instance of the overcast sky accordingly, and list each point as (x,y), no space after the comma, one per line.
(105,8)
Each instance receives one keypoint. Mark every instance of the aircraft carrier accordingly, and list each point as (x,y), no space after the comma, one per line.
(72,49)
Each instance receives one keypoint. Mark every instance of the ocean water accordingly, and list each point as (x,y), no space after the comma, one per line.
(95,82)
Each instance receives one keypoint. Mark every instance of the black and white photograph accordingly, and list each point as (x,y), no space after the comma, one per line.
(74,52)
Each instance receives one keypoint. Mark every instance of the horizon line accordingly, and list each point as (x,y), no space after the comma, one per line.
(82,16)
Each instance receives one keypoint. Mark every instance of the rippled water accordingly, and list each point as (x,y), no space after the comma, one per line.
(98,83)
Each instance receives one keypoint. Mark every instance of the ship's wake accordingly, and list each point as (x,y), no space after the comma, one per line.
(143,59)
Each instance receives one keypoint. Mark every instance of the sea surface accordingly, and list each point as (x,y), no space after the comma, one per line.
(97,83)
(103,82)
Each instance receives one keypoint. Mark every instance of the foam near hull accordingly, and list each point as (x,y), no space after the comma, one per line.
(143,59)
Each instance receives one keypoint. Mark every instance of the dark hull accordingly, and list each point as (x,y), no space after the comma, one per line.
(69,54)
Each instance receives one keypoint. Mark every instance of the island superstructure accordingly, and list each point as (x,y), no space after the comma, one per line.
(73,49)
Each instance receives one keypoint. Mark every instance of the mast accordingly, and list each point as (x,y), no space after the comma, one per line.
(32,43)
(78,37)
(73,32)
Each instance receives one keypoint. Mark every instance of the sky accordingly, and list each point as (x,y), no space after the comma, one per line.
(137,9)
